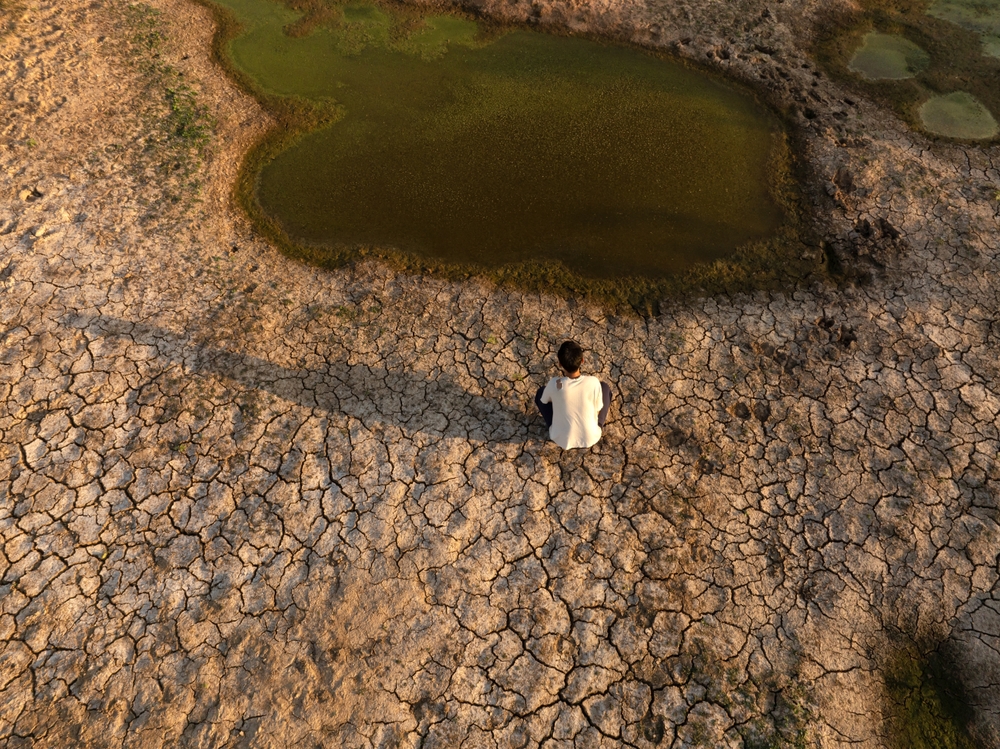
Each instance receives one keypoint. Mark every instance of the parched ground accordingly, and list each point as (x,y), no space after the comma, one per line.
(244,502)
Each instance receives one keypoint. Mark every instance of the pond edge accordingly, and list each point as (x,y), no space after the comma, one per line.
(793,257)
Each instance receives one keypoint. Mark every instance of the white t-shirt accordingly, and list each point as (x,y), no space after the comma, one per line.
(575,405)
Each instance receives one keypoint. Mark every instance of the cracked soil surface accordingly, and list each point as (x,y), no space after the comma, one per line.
(245,502)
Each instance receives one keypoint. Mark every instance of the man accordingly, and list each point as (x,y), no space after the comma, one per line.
(574,406)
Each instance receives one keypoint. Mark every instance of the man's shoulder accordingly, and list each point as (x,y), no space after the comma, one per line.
(582,383)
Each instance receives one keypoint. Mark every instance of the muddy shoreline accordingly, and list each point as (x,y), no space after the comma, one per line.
(793,256)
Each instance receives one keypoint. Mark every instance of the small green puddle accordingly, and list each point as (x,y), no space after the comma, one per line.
(979,16)
(467,146)
(958,115)
(888,57)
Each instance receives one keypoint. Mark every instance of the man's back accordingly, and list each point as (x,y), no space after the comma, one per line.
(576,403)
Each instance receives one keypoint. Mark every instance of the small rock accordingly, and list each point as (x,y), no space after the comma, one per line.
(742,410)
(39,232)
(762,411)
(100,551)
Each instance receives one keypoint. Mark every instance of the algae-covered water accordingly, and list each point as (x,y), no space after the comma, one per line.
(958,115)
(492,148)
(888,57)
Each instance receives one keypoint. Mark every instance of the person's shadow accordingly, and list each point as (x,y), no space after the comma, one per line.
(410,399)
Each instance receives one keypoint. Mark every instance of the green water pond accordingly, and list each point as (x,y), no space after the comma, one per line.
(958,115)
(888,57)
(467,145)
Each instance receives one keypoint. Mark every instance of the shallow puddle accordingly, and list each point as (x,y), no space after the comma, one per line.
(958,115)
(888,57)
(493,148)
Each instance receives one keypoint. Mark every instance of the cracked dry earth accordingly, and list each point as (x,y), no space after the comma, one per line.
(245,502)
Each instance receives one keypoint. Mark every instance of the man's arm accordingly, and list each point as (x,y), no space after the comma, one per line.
(602,414)
(547,393)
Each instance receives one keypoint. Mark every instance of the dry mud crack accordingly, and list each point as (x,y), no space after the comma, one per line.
(245,502)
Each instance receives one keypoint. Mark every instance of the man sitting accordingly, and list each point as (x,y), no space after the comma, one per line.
(574,406)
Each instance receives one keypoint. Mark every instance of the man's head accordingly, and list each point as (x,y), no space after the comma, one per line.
(570,357)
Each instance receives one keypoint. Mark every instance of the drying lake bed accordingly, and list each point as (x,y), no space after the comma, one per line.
(247,501)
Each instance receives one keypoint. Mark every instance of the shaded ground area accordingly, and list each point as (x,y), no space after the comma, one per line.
(248,503)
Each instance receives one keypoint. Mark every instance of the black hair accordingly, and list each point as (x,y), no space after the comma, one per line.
(570,356)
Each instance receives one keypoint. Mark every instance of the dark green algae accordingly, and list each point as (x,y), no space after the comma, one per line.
(928,704)
(548,161)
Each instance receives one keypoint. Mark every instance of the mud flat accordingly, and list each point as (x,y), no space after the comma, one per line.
(251,502)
